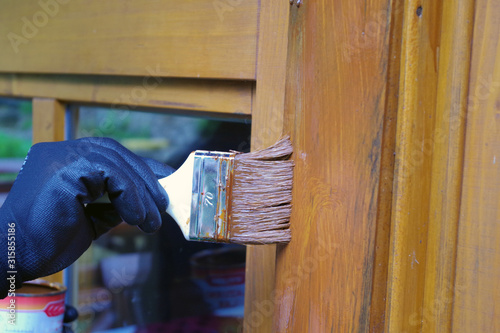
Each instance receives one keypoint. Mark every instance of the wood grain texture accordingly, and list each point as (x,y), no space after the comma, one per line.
(412,184)
(48,120)
(335,110)
(447,164)
(152,90)
(476,306)
(207,39)
(48,125)
(387,157)
(267,128)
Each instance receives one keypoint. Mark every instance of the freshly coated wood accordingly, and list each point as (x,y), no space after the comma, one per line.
(412,181)
(334,110)
(447,165)
(384,209)
(394,227)
(427,189)
(199,39)
(267,128)
(476,306)
(225,97)
(48,125)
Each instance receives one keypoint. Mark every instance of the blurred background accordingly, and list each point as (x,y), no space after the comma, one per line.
(129,281)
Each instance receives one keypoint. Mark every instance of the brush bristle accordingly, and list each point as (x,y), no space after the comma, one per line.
(262,195)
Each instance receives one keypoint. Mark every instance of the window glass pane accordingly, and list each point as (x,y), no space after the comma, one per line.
(15,140)
(161,282)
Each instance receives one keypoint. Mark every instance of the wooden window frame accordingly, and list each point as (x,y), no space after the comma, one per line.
(384,194)
(256,90)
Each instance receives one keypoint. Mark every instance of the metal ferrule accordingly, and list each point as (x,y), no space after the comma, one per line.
(210,204)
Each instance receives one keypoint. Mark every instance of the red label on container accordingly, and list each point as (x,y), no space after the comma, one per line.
(54,309)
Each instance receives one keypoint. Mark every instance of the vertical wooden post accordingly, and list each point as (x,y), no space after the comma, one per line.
(429,156)
(476,298)
(267,128)
(447,164)
(335,110)
(411,192)
(48,120)
(48,125)
(387,161)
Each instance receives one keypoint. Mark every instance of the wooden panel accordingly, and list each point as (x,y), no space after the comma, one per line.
(384,209)
(227,97)
(196,38)
(412,183)
(48,120)
(48,125)
(335,108)
(476,305)
(267,128)
(434,85)
(447,165)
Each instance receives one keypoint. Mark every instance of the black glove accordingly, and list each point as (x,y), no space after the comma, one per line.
(45,224)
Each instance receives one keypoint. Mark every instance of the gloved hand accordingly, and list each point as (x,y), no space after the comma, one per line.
(46,211)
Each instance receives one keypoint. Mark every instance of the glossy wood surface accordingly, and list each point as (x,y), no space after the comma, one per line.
(387,161)
(447,166)
(393,109)
(199,39)
(231,98)
(411,191)
(267,128)
(48,125)
(476,306)
(335,109)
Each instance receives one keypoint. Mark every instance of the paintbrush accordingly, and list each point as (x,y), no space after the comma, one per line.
(233,197)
